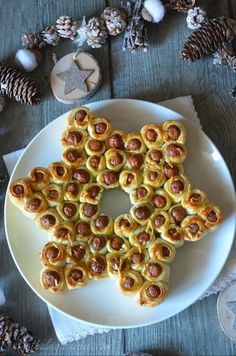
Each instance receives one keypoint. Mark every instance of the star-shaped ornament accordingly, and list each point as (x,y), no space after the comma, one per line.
(75,78)
(232,307)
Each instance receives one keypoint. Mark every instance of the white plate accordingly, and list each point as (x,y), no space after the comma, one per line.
(196,264)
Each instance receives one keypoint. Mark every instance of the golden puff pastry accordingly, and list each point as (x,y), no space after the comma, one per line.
(116,264)
(194,200)
(52,278)
(125,225)
(152,136)
(154,177)
(130,179)
(135,161)
(76,276)
(116,139)
(161,200)
(72,190)
(18,191)
(91,193)
(99,128)
(102,225)
(88,211)
(137,257)
(130,282)
(108,179)
(115,159)
(171,169)
(155,271)
(178,213)
(152,294)
(77,252)
(63,232)
(94,147)
(193,228)
(60,173)
(212,215)
(82,230)
(174,152)
(162,250)
(98,244)
(47,220)
(141,213)
(82,175)
(34,205)
(53,193)
(68,210)
(173,234)
(142,194)
(143,237)
(96,164)
(74,138)
(177,187)
(155,159)
(80,117)
(53,254)
(117,244)
(134,143)
(74,157)
(97,266)
(174,131)
(160,220)
(39,178)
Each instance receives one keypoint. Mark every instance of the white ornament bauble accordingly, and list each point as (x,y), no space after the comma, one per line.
(28,59)
(155,9)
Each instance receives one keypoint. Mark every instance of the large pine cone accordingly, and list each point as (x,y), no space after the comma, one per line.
(96,32)
(115,21)
(32,40)
(208,38)
(66,27)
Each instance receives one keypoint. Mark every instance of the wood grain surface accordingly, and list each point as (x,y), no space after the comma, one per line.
(155,76)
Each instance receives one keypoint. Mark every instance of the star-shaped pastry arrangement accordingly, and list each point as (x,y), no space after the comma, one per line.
(232,307)
(75,78)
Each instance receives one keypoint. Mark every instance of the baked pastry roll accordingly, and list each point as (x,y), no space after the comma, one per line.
(82,230)
(137,257)
(96,164)
(152,136)
(18,191)
(54,194)
(102,225)
(141,213)
(155,159)
(125,225)
(115,159)
(171,169)
(77,252)
(116,264)
(130,179)
(53,254)
(98,244)
(82,175)
(155,271)
(134,161)
(174,152)
(72,190)
(173,234)
(91,193)
(60,173)
(63,232)
(74,157)
(80,117)
(143,237)
(52,278)
(68,210)
(154,177)
(108,179)
(74,138)
(160,220)
(76,276)
(94,147)
(134,143)
(88,211)
(47,220)
(177,187)
(161,200)
(193,228)
(174,131)
(39,178)
(116,139)
(212,215)
(97,266)
(162,250)
(178,213)
(99,128)
(117,244)
(152,294)
(194,200)
(142,194)
(130,282)
(34,205)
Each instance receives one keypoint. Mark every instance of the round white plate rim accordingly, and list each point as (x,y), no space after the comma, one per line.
(221,265)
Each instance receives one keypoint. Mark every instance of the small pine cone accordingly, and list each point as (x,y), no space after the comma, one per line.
(2,104)
(179,5)
(18,86)
(15,337)
(50,35)
(66,27)
(225,56)
(32,40)
(208,38)
(96,32)
(196,17)
(115,21)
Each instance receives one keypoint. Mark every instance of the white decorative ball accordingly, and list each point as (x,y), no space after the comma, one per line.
(28,59)
(155,8)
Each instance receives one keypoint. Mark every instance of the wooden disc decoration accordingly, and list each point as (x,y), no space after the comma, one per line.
(75,77)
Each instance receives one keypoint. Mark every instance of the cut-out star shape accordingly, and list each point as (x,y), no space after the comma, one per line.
(74,78)
(232,307)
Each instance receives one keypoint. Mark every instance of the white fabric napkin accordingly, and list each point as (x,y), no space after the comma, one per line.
(68,329)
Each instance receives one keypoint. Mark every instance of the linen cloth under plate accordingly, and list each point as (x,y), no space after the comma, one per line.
(68,329)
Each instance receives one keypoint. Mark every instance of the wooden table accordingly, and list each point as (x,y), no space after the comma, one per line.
(155,76)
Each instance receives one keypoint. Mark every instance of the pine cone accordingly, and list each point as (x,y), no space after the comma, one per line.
(225,56)
(96,32)
(114,20)
(196,17)
(15,337)
(50,35)
(32,40)
(179,5)
(18,86)
(66,27)
(208,38)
